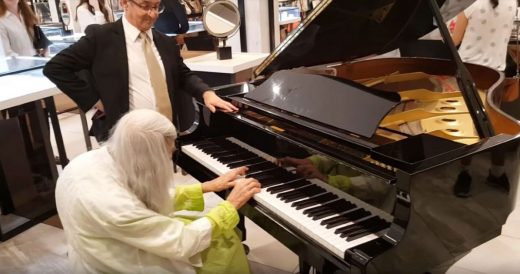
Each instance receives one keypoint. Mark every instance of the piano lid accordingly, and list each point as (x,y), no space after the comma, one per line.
(342,30)
(332,101)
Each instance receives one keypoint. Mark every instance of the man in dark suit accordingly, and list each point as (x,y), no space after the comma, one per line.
(173,19)
(117,59)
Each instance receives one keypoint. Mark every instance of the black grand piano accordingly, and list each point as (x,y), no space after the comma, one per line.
(395,165)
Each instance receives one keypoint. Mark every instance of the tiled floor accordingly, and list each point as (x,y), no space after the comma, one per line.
(42,249)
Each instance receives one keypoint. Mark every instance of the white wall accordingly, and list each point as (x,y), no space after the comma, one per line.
(257,27)
(234,41)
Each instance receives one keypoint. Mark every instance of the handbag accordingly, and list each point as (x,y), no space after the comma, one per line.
(40,40)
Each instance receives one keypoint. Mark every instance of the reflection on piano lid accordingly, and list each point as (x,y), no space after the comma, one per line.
(338,31)
(346,99)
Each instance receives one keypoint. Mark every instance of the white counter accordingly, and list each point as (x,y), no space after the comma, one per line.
(240,61)
(25,87)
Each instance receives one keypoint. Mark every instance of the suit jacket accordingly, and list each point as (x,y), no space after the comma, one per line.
(173,19)
(102,53)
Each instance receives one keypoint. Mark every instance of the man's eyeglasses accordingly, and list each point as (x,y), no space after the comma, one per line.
(158,9)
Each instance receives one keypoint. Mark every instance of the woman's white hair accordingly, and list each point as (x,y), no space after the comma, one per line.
(139,145)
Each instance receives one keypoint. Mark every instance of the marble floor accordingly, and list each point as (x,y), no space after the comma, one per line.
(42,248)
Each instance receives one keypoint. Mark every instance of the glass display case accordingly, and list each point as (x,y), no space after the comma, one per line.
(13,65)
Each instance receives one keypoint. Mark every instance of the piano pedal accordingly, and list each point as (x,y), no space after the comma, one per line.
(246,248)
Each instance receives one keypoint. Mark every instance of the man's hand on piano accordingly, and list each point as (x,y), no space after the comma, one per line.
(243,190)
(224,181)
(214,103)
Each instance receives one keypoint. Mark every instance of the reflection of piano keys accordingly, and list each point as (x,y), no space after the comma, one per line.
(330,216)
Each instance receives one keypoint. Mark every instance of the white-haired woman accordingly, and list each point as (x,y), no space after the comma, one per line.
(116,207)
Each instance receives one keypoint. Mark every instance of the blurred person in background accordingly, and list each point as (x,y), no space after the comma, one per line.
(17,22)
(173,19)
(482,32)
(90,12)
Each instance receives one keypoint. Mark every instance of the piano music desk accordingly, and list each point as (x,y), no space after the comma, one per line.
(221,72)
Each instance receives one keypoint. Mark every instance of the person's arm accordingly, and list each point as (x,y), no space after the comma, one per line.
(460,28)
(192,84)
(62,70)
(189,197)
(129,221)
(8,51)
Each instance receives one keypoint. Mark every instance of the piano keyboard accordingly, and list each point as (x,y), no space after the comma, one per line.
(331,217)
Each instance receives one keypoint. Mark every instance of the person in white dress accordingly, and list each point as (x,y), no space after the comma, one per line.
(90,12)
(17,22)
(483,30)
(120,215)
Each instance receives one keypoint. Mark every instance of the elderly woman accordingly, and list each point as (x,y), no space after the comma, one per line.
(116,207)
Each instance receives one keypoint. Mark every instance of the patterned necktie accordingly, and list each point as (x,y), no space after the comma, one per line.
(157,79)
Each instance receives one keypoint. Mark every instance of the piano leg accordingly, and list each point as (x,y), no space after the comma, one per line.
(304,266)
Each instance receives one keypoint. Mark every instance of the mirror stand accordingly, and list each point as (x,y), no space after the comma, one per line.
(221,19)
(223,52)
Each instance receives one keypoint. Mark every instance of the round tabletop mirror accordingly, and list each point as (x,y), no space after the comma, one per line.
(221,18)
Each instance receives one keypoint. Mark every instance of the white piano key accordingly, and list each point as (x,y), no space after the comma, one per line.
(313,228)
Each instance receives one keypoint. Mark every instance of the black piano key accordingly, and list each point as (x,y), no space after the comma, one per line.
(212,150)
(203,145)
(352,217)
(336,207)
(367,223)
(226,153)
(299,193)
(335,221)
(268,182)
(235,157)
(246,162)
(273,181)
(285,187)
(261,167)
(314,210)
(345,218)
(361,233)
(207,145)
(277,172)
(264,176)
(225,142)
(323,214)
(314,201)
(340,206)
(284,195)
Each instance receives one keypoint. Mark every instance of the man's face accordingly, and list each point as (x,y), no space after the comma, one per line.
(141,13)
